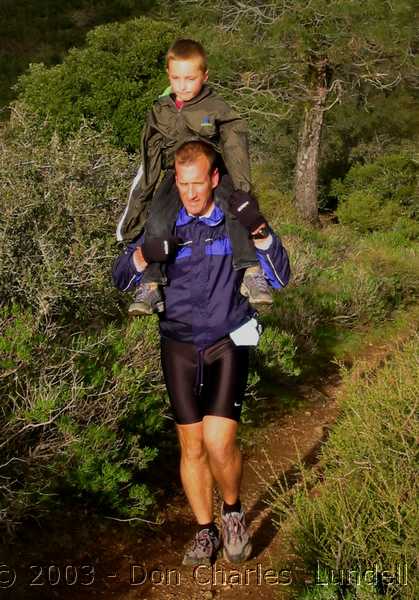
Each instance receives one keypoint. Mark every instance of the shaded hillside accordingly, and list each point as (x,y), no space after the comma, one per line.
(43,31)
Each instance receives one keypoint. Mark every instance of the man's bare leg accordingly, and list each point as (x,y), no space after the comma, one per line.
(225,458)
(226,466)
(195,471)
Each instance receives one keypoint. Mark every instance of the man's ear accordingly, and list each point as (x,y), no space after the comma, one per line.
(206,75)
(215,178)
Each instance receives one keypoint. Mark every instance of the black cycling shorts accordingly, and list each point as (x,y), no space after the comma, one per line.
(205,382)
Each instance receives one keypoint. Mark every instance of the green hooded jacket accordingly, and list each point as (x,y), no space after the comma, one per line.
(207,117)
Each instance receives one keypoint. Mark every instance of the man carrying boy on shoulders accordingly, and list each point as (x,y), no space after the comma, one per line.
(206,330)
(191,109)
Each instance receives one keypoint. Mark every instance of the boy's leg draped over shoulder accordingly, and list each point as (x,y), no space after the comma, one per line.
(254,284)
(133,218)
(244,253)
(164,208)
(161,222)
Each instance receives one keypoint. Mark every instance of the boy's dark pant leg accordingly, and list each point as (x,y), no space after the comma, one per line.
(244,252)
(161,221)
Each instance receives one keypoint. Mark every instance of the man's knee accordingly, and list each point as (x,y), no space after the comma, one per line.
(191,443)
(221,446)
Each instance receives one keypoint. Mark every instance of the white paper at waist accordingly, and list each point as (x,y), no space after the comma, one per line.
(247,334)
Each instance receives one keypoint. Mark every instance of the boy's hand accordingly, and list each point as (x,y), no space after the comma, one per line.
(246,209)
(159,249)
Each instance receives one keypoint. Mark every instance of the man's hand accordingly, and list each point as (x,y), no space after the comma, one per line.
(246,209)
(159,249)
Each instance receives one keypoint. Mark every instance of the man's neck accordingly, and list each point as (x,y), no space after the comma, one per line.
(206,214)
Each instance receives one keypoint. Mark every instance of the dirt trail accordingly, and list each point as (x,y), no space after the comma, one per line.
(74,556)
(111,560)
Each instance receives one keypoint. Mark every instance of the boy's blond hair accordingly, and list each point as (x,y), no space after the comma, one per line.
(185,49)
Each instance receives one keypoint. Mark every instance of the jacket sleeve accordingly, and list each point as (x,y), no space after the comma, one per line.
(124,273)
(275,263)
(151,150)
(235,147)
(144,183)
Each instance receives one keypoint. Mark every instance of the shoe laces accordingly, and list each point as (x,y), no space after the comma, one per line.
(139,294)
(235,525)
(143,292)
(202,540)
(259,280)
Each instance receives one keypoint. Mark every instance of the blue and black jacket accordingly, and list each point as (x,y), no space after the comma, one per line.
(202,299)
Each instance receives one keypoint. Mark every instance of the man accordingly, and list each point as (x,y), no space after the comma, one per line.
(204,369)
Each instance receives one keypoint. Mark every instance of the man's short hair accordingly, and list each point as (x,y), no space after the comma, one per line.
(185,49)
(189,152)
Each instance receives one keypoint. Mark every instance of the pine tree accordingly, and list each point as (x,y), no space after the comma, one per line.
(317,53)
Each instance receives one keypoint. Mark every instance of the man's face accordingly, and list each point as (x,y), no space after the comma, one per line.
(186,78)
(195,185)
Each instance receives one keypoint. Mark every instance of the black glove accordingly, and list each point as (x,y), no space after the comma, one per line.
(159,249)
(246,209)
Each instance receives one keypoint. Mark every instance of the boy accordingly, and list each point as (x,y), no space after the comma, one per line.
(192,108)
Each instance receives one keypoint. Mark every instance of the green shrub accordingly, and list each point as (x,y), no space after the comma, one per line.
(80,415)
(364,514)
(45,30)
(277,351)
(382,195)
(341,282)
(58,208)
(114,79)
(82,394)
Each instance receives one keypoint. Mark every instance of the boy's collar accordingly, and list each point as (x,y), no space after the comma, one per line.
(205,91)
(214,218)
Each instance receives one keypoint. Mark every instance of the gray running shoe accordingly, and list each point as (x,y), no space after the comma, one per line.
(147,299)
(237,546)
(204,548)
(255,287)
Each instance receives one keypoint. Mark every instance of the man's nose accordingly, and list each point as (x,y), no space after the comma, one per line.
(191,191)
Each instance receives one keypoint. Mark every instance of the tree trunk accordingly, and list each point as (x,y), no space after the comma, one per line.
(307,167)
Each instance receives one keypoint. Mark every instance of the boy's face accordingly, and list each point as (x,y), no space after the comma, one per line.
(186,78)
(195,185)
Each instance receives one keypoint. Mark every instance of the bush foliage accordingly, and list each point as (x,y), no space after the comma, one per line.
(45,30)
(381,196)
(364,515)
(82,396)
(113,79)
(59,205)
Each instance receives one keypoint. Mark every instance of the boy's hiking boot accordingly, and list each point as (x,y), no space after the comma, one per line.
(256,288)
(237,546)
(204,548)
(147,300)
